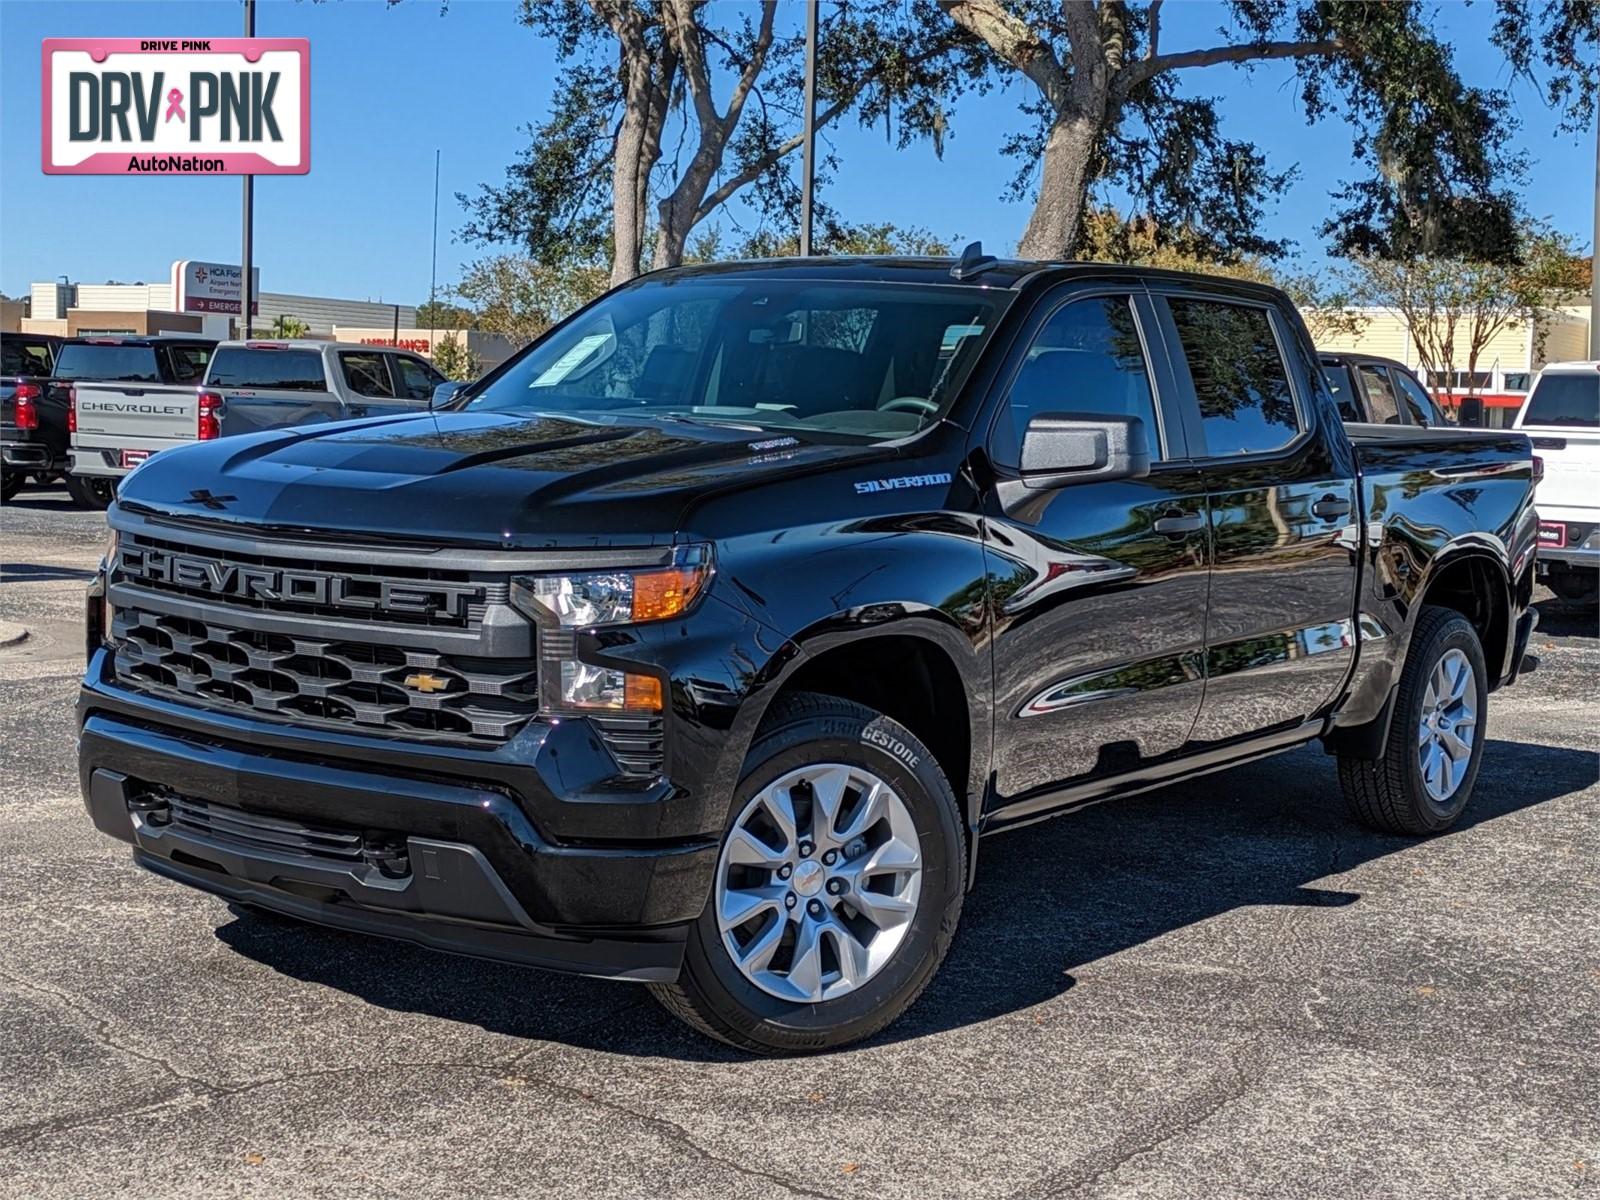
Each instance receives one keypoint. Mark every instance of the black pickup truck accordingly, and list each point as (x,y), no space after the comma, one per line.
(41,443)
(702,642)
(26,361)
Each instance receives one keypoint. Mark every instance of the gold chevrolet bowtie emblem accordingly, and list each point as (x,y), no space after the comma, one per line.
(423,682)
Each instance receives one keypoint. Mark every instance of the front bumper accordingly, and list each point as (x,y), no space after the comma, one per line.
(477,878)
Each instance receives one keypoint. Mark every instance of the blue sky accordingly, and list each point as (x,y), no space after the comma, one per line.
(389,85)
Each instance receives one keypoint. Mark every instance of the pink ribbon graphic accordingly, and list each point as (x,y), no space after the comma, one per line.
(175,105)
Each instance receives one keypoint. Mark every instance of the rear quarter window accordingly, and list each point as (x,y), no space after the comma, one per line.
(274,370)
(108,362)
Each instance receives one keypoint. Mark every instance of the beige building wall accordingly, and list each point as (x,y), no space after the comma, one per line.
(1515,349)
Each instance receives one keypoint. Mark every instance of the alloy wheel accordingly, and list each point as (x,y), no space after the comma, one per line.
(1448,726)
(818,882)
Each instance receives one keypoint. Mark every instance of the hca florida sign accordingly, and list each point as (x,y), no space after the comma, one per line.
(169,106)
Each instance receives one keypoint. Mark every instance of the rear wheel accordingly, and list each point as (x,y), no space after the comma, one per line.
(1576,587)
(92,491)
(10,484)
(1422,781)
(838,888)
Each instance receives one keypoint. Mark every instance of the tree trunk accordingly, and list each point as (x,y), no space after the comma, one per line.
(1057,222)
(629,169)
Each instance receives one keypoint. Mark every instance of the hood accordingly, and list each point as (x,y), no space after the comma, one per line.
(502,479)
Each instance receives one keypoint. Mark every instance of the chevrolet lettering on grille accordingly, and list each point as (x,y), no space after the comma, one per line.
(241,581)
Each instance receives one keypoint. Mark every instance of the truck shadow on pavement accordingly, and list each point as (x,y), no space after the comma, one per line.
(1047,900)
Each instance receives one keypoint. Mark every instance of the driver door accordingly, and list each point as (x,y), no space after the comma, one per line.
(1098,589)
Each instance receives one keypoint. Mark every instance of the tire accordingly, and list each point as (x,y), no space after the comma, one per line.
(10,484)
(1393,793)
(804,732)
(92,491)
(1574,586)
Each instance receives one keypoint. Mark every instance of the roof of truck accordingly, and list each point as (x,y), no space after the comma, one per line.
(996,273)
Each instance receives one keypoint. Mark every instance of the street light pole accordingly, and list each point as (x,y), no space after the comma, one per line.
(433,270)
(809,166)
(246,252)
(1594,253)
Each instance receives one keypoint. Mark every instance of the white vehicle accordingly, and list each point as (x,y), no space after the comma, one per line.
(1562,417)
(248,386)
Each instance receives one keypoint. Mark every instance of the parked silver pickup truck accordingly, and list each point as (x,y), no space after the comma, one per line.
(249,386)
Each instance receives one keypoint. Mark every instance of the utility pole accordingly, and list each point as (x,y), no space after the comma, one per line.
(1594,253)
(246,253)
(809,167)
(433,271)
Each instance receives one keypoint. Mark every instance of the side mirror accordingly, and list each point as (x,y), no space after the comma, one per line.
(1063,448)
(445,393)
(1471,412)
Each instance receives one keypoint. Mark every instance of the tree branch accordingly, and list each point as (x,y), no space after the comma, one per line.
(1155,29)
(1011,38)
(755,169)
(1134,74)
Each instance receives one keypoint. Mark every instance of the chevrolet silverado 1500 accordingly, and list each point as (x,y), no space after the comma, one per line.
(704,641)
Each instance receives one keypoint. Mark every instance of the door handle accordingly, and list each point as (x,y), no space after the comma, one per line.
(1180,523)
(1331,506)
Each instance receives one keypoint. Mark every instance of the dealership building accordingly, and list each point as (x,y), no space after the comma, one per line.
(198,297)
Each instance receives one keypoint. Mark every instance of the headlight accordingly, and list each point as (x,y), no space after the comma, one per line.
(563,604)
(615,597)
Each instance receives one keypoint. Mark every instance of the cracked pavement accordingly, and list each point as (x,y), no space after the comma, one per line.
(1223,988)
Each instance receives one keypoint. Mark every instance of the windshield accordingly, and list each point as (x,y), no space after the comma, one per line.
(111,362)
(1565,399)
(870,360)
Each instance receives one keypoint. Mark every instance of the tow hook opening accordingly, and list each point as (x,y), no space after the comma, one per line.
(388,854)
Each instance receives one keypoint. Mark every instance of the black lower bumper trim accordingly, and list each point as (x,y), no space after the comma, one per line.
(646,962)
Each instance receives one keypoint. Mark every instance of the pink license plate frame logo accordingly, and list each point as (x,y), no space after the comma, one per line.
(171,158)
(1553,535)
(132,458)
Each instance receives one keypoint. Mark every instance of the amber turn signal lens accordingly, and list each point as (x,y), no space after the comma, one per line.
(641,693)
(658,594)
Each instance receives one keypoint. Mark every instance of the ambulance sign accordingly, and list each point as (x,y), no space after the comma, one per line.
(177,106)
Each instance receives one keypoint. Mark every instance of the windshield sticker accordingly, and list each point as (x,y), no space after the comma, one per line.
(868,486)
(569,362)
(774,443)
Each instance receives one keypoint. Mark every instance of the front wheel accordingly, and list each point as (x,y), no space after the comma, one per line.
(1423,779)
(92,491)
(838,887)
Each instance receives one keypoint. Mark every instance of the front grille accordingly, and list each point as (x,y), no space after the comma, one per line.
(323,682)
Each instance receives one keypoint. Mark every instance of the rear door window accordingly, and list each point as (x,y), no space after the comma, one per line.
(1381,403)
(1567,400)
(109,362)
(367,373)
(1240,381)
(268,369)
(25,358)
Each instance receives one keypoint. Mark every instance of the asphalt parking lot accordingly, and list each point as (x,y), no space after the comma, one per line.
(1220,989)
